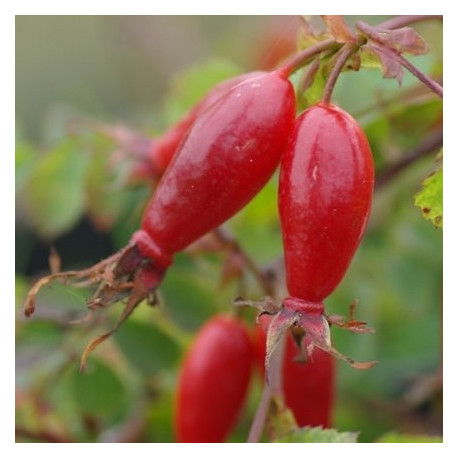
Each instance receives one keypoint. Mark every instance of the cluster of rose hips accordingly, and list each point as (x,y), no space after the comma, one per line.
(214,161)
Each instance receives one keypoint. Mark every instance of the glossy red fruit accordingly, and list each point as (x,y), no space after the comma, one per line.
(230,152)
(325,194)
(213,382)
(308,387)
(164,148)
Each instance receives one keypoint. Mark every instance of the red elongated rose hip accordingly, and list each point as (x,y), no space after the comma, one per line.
(228,154)
(325,194)
(326,185)
(213,382)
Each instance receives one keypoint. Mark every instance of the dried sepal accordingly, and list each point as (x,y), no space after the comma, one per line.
(125,274)
(310,328)
(138,292)
(278,327)
(319,335)
(265,304)
(355,364)
(298,334)
(351,323)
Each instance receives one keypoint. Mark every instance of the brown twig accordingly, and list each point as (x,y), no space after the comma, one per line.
(42,436)
(428,146)
(224,236)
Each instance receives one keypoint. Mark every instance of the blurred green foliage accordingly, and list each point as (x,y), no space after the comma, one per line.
(127,392)
(320,436)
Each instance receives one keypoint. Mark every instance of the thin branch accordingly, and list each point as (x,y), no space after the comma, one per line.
(428,146)
(401,21)
(435,87)
(410,95)
(344,54)
(227,239)
(302,58)
(269,392)
(260,417)
(42,436)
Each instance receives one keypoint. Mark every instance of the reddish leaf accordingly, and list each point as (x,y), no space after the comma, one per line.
(391,68)
(404,40)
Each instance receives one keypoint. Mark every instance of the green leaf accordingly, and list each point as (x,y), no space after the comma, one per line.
(369,58)
(257,227)
(400,127)
(281,422)
(129,220)
(147,347)
(314,92)
(106,196)
(55,191)
(191,85)
(189,299)
(394,437)
(320,435)
(160,418)
(39,333)
(24,160)
(99,391)
(429,198)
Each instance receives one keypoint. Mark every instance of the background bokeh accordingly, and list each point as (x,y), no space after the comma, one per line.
(144,72)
